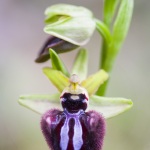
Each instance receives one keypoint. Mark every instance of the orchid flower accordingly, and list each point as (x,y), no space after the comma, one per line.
(65,119)
(59,76)
(74,117)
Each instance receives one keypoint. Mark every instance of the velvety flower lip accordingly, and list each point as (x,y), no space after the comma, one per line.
(54,124)
(57,44)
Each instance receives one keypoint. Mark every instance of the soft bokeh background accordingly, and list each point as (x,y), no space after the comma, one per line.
(21,36)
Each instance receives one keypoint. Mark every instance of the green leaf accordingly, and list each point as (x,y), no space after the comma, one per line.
(40,103)
(57,63)
(81,64)
(92,83)
(109,10)
(103,30)
(122,23)
(120,29)
(110,7)
(59,80)
(109,107)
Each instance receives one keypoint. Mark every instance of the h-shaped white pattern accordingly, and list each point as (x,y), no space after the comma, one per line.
(77,137)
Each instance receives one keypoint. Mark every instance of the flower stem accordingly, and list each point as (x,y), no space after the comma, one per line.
(111,46)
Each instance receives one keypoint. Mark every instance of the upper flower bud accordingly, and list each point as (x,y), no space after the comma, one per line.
(73,24)
(57,44)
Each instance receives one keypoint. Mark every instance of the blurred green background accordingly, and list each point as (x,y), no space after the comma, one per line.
(21,36)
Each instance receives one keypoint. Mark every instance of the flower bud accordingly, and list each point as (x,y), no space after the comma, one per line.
(57,44)
(73,24)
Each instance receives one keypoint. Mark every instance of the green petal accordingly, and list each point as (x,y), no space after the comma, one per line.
(109,106)
(92,83)
(57,63)
(76,30)
(40,103)
(81,64)
(57,78)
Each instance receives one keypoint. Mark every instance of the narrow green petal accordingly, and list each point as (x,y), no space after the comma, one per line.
(56,20)
(57,63)
(92,83)
(81,64)
(109,106)
(40,103)
(59,80)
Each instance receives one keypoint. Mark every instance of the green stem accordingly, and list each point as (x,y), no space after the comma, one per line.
(111,46)
(107,61)
(109,51)
(101,91)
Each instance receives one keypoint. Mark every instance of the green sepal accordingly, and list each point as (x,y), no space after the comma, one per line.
(40,103)
(74,30)
(57,63)
(92,83)
(58,79)
(108,106)
(80,66)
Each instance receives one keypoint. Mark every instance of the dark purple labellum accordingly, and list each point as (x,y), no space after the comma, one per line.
(57,44)
(73,128)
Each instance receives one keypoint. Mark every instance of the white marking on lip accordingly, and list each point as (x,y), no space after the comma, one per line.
(74,97)
(64,138)
(77,138)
